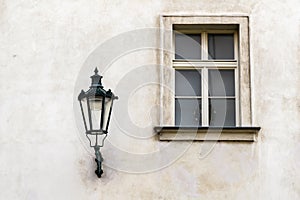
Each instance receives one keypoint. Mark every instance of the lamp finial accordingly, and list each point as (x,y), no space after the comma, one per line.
(96,79)
(96,70)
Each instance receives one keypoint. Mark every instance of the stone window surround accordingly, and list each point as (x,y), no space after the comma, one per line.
(244,130)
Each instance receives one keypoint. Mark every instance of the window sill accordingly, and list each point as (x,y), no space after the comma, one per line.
(175,133)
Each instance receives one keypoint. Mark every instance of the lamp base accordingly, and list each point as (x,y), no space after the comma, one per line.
(98,160)
(98,171)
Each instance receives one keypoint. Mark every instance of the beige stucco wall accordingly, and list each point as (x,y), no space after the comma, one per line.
(46,44)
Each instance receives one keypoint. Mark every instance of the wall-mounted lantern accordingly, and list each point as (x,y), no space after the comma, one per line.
(96,106)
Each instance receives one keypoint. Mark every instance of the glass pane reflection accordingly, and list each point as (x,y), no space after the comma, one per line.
(188,112)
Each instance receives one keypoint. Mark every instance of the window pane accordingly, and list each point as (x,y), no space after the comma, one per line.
(188,112)
(220,46)
(187,46)
(221,82)
(188,83)
(221,112)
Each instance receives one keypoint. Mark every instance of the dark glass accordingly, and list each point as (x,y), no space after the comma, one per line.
(221,82)
(187,46)
(188,83)
(220,46)
(188,112)
(221,112)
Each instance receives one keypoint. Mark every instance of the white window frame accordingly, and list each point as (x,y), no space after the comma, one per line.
(204,64)
(241,64)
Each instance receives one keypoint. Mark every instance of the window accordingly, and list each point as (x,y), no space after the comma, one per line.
(188,101)
(205,78)
(205,65)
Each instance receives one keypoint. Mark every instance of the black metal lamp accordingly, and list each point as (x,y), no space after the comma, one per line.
(96,106)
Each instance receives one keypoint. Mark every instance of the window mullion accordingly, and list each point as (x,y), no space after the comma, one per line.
(237,98)
(204,46)
(205,111)
(237,81)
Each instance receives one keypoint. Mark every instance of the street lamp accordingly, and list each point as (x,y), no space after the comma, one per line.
(96,106)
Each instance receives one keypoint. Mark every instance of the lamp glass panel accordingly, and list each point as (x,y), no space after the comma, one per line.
(85,113)
(96,109)
(108,104)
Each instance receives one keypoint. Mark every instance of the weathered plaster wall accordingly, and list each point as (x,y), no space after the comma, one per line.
(44,45)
